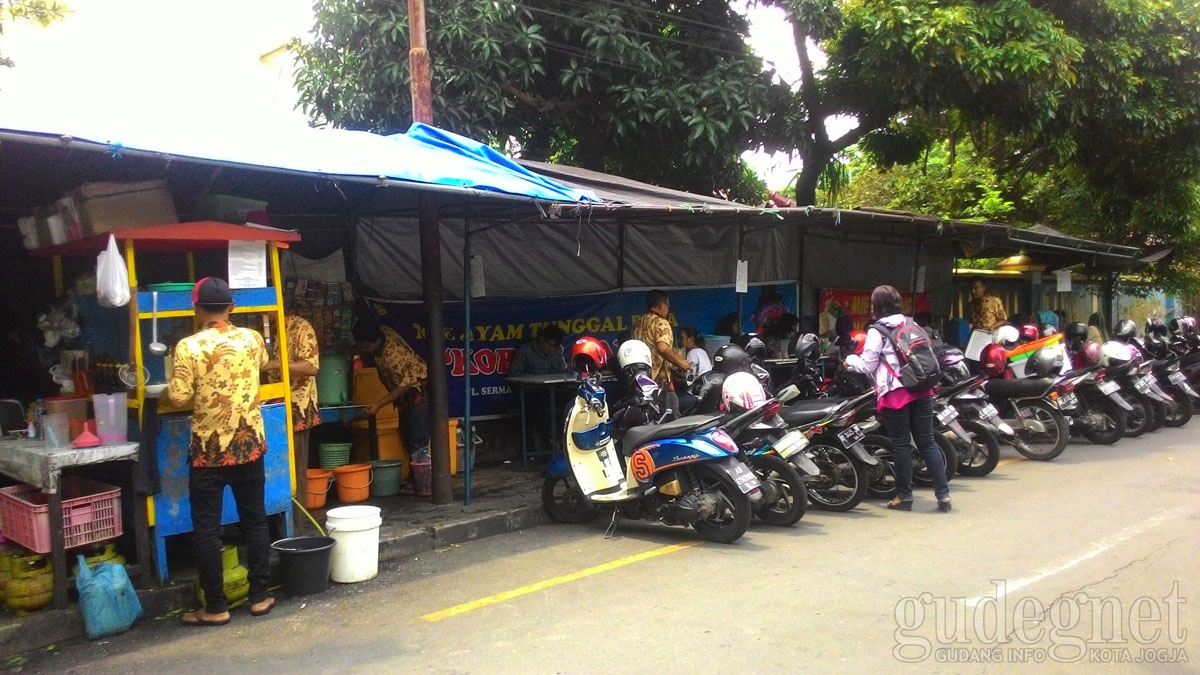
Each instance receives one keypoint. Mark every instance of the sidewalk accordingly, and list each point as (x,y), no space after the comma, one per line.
(506,498)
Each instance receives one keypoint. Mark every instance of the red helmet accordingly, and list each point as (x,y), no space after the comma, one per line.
(1029,333)
(589,355)
(859,339)
(994,360)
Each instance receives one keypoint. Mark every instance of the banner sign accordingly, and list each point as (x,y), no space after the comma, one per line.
(500,327)
(856,304)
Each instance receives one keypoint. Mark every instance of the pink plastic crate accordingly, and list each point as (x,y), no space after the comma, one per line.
(91,513)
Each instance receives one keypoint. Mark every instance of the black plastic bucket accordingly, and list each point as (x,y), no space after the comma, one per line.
(304,563)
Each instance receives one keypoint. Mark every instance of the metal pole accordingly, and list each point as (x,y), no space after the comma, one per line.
(431,266)
(465,430)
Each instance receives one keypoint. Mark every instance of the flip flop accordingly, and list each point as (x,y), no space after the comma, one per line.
(194,619)
(263,612)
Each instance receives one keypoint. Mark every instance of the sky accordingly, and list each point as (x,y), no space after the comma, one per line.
(176,62)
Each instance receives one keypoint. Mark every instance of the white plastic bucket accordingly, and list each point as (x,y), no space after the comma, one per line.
(356,530)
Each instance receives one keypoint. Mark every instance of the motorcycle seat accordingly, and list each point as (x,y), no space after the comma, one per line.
(1081,371)
(1026,387)
(641,435)
(807,412)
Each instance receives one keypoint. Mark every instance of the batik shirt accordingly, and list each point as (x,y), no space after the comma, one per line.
(217,370)
(988,311)
(398,365)
(302,346)
(653,329)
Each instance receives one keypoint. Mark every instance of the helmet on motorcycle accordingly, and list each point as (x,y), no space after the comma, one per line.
(1049,329)
(1076,332)
(731,359)
(1125,330)
(1113,353)
(742,391)
(589,355)
(1189,325)
(950,356)
(1155,327)
(1029,332)
(994,360)
(851,383)
(1044,362)
(632,355)
(1177,327)
(755,348)
(804,347)
(1089,355)
(859,339)
(1006,336)
(956,372)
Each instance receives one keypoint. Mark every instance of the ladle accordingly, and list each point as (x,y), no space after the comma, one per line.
(156,348)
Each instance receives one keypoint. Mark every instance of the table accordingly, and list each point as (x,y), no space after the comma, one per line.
(552,383)
(33,463)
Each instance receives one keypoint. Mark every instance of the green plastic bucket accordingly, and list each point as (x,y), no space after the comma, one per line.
(333,380)
(387,478)
(334,455)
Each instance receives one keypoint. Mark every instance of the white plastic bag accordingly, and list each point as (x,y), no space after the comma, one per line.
(112,279)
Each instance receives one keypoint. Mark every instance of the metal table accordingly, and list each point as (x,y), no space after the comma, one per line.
(33,463)
(551,382)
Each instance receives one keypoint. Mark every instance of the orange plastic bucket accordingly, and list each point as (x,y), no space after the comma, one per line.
(315,497)
(353,482)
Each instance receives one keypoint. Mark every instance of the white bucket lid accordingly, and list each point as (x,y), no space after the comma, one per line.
(344,513)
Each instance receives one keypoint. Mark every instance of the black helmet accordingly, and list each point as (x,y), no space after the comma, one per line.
(1125,330)
(1156,327)
(1076,332)
(731,359)
(804,347)
(756,349)
(1044,362)
(1177,327)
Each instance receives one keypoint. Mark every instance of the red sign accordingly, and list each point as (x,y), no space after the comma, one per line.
(856,304)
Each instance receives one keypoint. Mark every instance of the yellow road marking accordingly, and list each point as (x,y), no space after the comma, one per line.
(531,588)
(1010,460)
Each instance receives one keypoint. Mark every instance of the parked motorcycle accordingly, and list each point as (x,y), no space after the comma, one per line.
(835,446)
(1025,403)
(1088,396)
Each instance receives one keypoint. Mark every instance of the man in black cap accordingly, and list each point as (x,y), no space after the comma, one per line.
(217,371)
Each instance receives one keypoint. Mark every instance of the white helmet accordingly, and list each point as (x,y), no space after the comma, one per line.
(742,390)
(633,353)
(1006,336)
(1113,353)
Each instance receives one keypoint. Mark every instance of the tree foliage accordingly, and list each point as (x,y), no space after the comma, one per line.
(42,12)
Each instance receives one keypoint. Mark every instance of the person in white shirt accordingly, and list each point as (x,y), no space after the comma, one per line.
(693,346)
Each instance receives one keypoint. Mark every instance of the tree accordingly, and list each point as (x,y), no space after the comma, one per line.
(42,12)
(666,92)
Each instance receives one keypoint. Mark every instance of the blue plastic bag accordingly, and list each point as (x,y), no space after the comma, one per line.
(107,599)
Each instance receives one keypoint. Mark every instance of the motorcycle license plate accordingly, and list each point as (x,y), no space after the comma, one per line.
(1143,383)
(745,478)
(1107,388)
(1176,378)
(989,412)
(851,435)
(946,415)
(791,443)
(1067,401)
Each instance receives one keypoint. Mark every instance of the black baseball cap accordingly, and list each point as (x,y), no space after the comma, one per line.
(212,291)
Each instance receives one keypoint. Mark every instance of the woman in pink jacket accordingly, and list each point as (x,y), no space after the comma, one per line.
(907,416)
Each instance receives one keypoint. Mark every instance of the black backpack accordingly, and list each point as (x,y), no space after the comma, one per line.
(919,366)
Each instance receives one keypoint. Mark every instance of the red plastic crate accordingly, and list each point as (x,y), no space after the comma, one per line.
(91,513)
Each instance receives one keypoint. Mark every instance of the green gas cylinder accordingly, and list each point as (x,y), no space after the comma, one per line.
(32,584)
(237,578)
(99,553)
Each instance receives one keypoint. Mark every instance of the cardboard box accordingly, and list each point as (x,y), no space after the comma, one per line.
(105,207)
(72,221)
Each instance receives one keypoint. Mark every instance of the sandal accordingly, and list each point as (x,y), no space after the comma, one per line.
(265,610)
(197,619)
(898,504)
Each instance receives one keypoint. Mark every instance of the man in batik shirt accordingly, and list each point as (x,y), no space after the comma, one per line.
(654,329)
(403,373)
(217,371)
(304,360)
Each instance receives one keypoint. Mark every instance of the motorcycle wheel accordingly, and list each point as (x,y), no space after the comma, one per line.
(782,481)
(1137,421)
(1113,426)
(1179,411)
(564,502)
(733,519)
(921,475)
(1157,413)
(881,478)
(842,483)
(1043,446)
(981,457)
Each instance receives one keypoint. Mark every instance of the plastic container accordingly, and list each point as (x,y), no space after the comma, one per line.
(75,407)
(334,455)
(91,513)
(423,477)
(111,418)
(356,530)
(333,380)
(385,478)
(319,483)
(56,430)
(353,482)
(304,563)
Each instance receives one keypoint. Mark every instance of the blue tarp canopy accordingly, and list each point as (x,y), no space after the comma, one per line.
(424,156)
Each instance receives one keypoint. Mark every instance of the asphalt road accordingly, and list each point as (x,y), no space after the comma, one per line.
(1090,560)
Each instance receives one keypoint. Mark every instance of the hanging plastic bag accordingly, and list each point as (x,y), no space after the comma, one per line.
(107,599)
(112,279)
